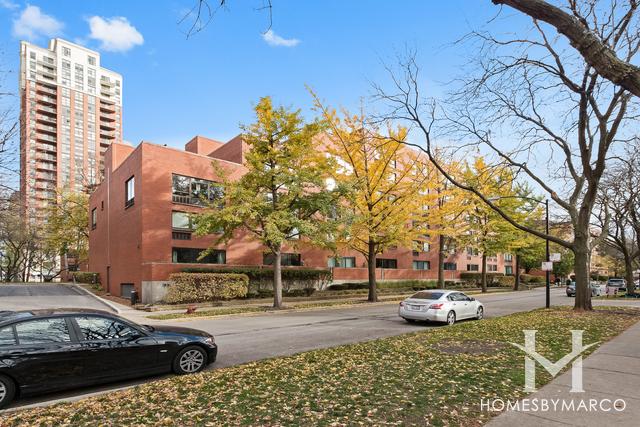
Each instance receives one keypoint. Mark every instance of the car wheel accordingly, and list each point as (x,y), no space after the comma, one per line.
(7,390)
(480,313)
(451,318)
(190,360)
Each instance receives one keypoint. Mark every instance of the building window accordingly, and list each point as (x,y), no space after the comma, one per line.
(450,266)
(386,263)
(181,221)
(181,235)
(342,262)
(129,191)
(508,257)
(190,256)
(66,51)
(421,246)
(91,60)
(288,259)
(473,267)
(472,251)
(492,267)
(94,218)
(508,270)
(195,191)
(421,265)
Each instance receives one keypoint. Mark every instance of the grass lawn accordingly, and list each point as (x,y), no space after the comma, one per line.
(432,376)
(263,308)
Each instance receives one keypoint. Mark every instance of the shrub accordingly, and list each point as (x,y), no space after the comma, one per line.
(398,284)
(537,279)
(86,277)
(526,278)
(505,281)
(204,287)
(258,273)
(475,276)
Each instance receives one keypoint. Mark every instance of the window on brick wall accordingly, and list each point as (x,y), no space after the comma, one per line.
(288,259)
(94,218)
(386,263)
(473,267)
(450,266)
(191,255)
(421,265)
(129,191)
(342,262)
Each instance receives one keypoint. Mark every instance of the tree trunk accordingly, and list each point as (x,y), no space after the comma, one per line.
(628,270)
(581,269)
(277,280)
(371,264)
(516,285)
(484,272)
(441,262)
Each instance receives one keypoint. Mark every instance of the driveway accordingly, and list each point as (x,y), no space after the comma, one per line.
(28,296)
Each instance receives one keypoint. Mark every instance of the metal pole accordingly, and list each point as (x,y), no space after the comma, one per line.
(548,290)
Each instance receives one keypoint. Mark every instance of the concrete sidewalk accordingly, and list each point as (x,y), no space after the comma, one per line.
(611,372)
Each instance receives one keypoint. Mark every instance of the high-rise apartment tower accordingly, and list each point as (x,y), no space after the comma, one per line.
(71,111)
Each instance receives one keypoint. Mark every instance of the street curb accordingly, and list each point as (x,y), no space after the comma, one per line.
(96,297)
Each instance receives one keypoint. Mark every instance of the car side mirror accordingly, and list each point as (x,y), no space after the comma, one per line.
(471,299)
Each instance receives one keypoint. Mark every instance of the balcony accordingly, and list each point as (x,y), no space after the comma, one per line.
(44,109)
(44,137)
(46,128)
(107,108)
(108,117)
(46,119)
(46,89)
(46,177)
(47,99)
(107,126)
(107,83)
(51,65)
(46,167)
(46,72)
(105,143)
(47,148)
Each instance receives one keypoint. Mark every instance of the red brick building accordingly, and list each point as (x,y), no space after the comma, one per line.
(140,231)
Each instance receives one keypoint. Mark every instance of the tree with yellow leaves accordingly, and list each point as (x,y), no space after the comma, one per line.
(389,186)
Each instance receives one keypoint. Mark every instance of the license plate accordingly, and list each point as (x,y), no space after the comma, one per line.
(415,307)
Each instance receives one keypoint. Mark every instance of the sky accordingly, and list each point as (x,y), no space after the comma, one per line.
(176,87)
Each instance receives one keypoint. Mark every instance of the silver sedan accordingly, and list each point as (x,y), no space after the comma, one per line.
(440,306)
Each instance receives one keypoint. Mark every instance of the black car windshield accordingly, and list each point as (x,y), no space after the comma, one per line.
(428,295)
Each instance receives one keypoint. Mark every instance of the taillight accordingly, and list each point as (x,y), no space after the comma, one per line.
(437,306)
(401,303)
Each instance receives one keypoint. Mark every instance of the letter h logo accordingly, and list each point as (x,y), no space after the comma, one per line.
(553,368)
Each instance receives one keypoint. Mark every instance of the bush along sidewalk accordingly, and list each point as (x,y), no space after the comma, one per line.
(434,377)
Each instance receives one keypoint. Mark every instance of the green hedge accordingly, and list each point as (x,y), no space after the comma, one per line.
(268,293)
(205,287)
(257,274)
(399,284)
(86,277)
(475,276)
(530,278)
(505,281)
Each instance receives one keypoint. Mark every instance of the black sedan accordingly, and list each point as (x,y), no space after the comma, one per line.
(48,350)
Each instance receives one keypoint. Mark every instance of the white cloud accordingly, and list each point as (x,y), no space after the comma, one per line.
(115,34)
(8,4)
(273,39)
(32,23)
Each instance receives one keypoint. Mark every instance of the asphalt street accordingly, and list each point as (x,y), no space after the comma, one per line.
(27,297)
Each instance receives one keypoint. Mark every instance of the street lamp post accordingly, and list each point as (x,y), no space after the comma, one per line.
(548,255)
(548,290)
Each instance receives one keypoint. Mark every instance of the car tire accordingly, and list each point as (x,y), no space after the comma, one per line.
(480,313)
(7,390)
(190,360)
(451,317)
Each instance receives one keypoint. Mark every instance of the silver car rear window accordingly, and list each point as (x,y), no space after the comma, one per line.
(428,295)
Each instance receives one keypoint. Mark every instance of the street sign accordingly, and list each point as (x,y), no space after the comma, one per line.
(547,266)
(555,257)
